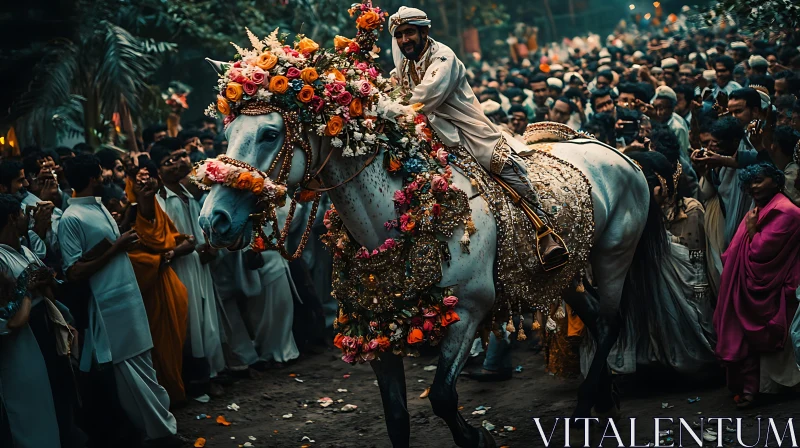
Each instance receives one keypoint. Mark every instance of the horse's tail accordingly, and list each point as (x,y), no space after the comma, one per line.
(642,279)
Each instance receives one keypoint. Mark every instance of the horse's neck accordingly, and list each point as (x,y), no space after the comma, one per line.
(365,203)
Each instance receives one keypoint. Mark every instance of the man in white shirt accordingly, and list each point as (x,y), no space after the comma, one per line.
(724,71)
(437,79)
(118,333)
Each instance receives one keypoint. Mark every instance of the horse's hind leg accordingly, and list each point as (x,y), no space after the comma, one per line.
(392,383)
(444,398)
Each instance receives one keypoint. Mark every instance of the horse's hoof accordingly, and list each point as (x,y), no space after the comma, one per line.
(485,439)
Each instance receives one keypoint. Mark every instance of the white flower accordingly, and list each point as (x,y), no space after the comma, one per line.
(347,152)
(337,142)
(369,138)
(403,141)
(357,136)
(264,94)
(211,111)
(321,129)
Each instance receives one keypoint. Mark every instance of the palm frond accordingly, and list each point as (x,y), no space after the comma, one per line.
(154,47)
(50,81)
(123,70)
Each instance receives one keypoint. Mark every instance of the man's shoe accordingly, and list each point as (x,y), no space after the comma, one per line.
(491,376)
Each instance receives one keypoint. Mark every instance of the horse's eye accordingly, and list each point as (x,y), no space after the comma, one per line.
(270,136)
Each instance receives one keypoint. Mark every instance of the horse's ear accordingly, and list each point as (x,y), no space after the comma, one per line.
(218,66)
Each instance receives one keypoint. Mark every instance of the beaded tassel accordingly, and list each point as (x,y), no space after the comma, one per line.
(536,325)
(510,325)
(521,334)
(465,241)
(580,287)
(560,313)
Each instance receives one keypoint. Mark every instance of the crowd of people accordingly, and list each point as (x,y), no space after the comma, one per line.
(114,310)
(713,118)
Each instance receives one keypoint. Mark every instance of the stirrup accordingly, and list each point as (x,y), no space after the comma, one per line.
(557,262)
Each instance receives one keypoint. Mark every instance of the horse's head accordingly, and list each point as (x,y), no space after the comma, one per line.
(255,140)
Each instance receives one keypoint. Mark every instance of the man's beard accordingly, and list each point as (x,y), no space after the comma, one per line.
(415,53)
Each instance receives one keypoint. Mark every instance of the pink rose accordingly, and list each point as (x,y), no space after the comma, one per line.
(361,66)
(259,76)
(450,301)
(216,171)
(362,253)
(238,64)
(338,88)
(317,104)
(228,119)
(389,244)
(365,88)
(436,210)
(349,342)
(292,73)
(441,156)
(412,187)
(428,326)
(249,87)
(373,344)
(429,312)
(404,219)
(400,197)
(372,72)
(234,74)
(349,358)
(439,183)
(344,99)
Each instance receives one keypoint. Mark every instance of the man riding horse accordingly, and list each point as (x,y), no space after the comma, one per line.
(437,79)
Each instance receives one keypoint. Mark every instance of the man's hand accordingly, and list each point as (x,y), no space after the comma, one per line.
(710,159)
(42,218)
(125,241)
(206,252)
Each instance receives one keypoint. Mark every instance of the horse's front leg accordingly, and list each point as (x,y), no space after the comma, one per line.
(392,382)
(444,399)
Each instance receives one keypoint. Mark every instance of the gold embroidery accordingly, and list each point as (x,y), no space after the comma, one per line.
(499,156)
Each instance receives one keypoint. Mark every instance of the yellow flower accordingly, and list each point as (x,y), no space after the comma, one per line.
(266,61)
(222,106)
(341,42)
(234,91)
(278,84)
(306,46)
(309,75)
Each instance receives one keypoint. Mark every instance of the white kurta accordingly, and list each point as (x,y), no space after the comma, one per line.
(204,330)
(25,391)
(450,104)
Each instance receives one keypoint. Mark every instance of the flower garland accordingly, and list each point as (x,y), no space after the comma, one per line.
(217,171)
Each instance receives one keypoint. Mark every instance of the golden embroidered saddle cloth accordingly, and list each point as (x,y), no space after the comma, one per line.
(565,196)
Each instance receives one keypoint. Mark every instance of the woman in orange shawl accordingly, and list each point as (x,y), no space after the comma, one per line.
(165,297)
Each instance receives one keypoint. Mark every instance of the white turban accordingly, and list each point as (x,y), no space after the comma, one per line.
(556,68)
(758,61)
(555,83)
(403,16)
(490,107)
(638,54)
(739,46)
(569,75)
(709,75)
(764,94)
(669,63)
(665,92)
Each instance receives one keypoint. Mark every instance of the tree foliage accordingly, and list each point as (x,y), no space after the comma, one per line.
(755,17)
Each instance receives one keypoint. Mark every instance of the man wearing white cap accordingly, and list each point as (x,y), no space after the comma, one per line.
(757,65)
(556,87)
(437,79)
(664,103)
(740,52)
(670,67)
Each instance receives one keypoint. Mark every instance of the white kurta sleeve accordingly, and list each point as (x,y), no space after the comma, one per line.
(441,79)
(70,238)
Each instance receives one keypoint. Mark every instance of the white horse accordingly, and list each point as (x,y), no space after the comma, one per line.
(621,203)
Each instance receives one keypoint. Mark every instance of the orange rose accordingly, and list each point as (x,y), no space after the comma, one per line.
(340,42)
(266,61)
(306,45)
(279,84)
(245,181)
(258,186)
(337,75)
(383,343)
(305,94)
(394,165)
(234,91)
(369,21)
(415,336)
(334,127)
(222,105)
(337,340)
(309,75)
(355,108)
(450,317)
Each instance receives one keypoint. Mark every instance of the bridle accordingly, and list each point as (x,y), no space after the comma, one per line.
(266,214)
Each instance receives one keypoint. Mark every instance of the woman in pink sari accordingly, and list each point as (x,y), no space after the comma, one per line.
(761,271)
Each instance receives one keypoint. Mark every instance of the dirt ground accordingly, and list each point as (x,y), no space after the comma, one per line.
(281,409)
